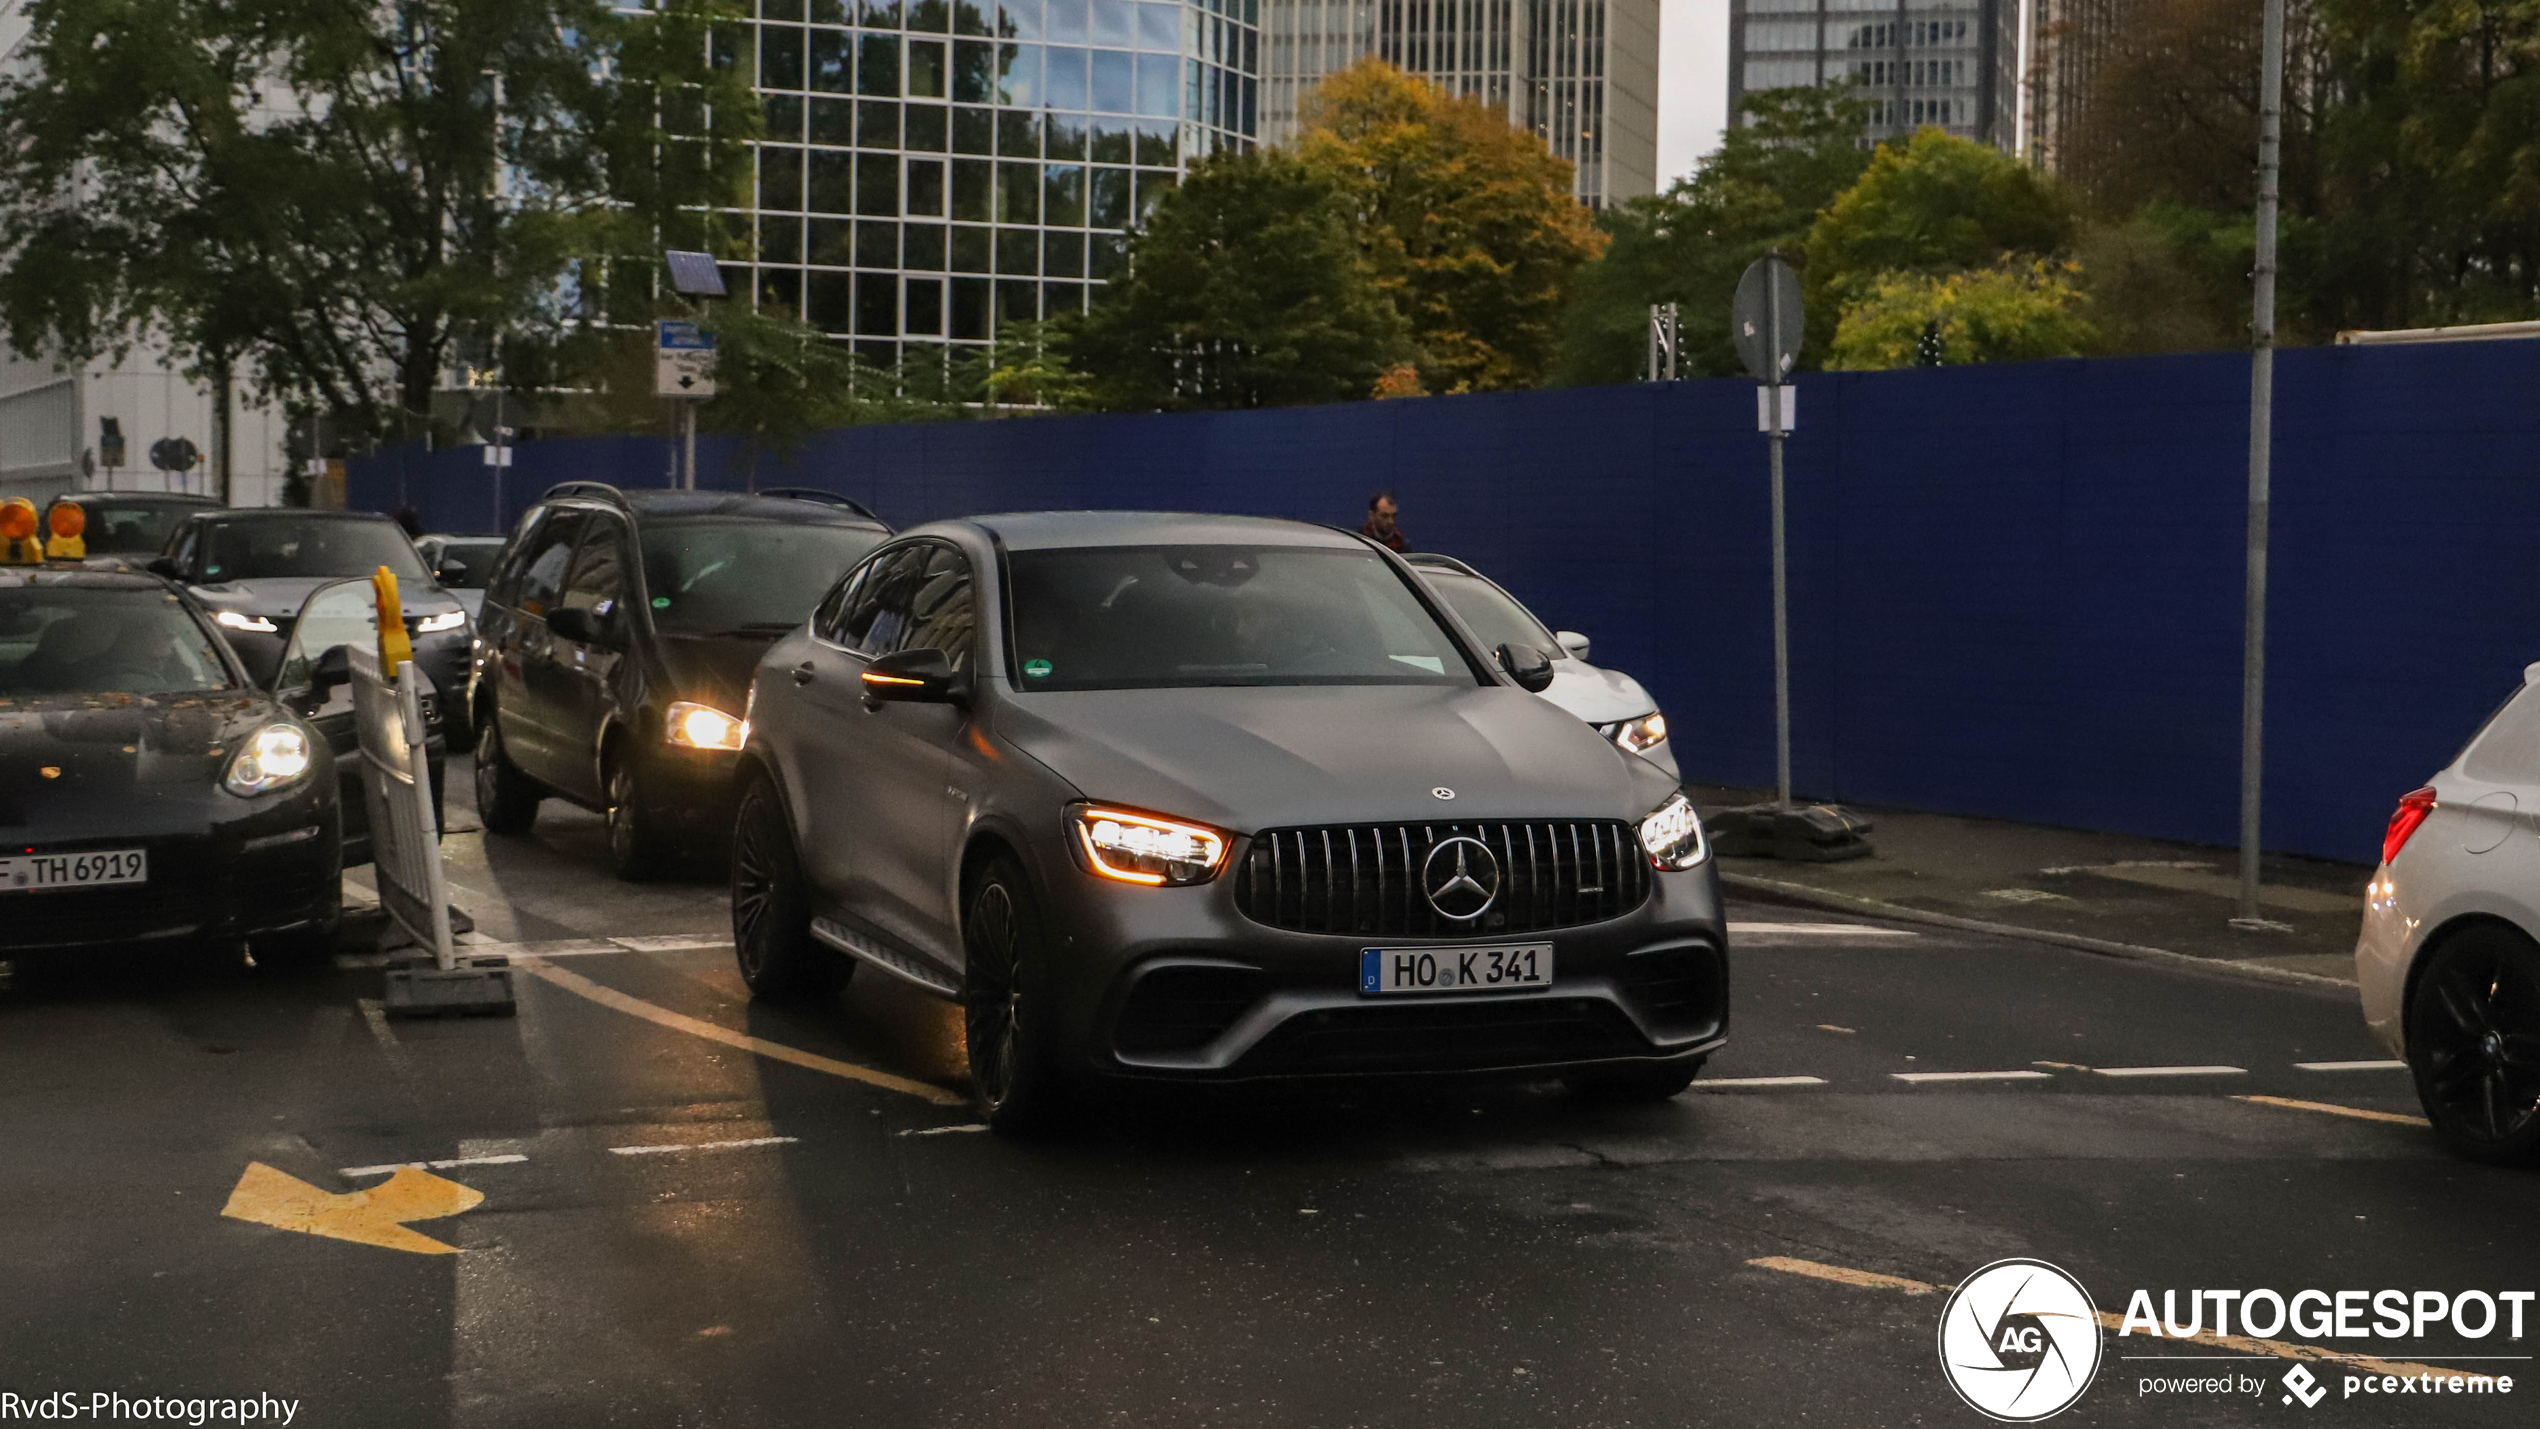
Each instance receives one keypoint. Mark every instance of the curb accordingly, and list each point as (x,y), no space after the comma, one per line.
(1801,893)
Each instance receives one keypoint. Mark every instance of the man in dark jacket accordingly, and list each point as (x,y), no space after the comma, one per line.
(1380,527)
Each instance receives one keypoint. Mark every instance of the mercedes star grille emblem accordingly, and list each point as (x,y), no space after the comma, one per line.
(1441,792)
(1461,878)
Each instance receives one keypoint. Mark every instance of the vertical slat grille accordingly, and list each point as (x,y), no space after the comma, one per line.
(1365,879)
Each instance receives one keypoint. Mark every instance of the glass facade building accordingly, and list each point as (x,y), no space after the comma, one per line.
(1951,63)
(1583,74)
(933,170)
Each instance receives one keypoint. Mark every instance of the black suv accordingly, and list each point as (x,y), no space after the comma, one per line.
(616,644)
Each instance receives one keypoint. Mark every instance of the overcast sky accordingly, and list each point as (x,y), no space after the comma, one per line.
(1693,83)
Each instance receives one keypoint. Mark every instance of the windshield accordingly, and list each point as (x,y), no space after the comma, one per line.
(318,546)
(476,556)
(708,577)
(117,528)
(58,641)
(1160,617)
(1493,614)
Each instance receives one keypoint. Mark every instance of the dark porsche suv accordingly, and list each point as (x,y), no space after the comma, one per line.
(615,646)
(1210,799)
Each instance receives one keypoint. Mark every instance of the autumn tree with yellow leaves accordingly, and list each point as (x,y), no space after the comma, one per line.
(1466,221)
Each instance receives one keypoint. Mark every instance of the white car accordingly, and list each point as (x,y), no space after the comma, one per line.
(1609,699)
(2449,959)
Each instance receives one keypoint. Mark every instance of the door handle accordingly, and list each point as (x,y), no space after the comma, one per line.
(802,673)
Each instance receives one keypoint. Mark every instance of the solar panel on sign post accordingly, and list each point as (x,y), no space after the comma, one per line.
(694,274)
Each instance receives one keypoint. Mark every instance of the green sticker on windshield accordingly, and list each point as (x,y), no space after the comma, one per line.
(661,602)
(1037,669)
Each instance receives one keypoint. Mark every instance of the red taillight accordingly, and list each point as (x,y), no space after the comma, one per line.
(2413,808)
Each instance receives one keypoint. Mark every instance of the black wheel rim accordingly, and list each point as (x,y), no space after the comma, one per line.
(755,887)
(2478,1032)
(621,814)
(489,757)
(992,1010)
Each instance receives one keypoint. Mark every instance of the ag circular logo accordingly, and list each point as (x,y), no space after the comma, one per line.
(2019,1340)
(1461,877)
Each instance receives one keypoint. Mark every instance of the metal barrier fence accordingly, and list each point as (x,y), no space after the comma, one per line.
(405,838)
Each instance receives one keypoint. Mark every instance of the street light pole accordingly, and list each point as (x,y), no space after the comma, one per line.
(2253,659)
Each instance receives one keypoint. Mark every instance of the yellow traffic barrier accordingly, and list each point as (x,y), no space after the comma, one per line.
(69,521)
(18,546)
(394,648)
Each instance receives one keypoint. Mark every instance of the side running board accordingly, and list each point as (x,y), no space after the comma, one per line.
(890,960)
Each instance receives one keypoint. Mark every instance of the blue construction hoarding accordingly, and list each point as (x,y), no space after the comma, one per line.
(2016,590)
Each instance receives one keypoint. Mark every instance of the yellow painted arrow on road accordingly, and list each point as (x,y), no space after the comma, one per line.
(373,1217)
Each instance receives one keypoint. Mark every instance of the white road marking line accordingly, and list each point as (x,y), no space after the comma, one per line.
(1819,930)
(945,1130)
(1722,1083)
(396,1166)
(2020,1076)
(2352,1066)
(2171,1071)
(704,1146)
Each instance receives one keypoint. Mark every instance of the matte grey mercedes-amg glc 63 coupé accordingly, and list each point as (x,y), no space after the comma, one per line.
(1202,798)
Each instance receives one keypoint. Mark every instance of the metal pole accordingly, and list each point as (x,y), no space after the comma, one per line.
(220,430)
(687,445)
(502,442)
(1781,554)
(2253,660)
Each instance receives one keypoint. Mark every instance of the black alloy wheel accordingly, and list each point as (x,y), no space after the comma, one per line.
(505,799)
(636,849)
(1634,1084)
(1004,1002)
(2473,1033)
(771,907)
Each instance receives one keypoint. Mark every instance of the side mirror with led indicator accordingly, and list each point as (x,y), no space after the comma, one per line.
(922,677)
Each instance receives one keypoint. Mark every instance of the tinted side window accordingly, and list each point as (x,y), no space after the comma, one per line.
(503,586)
(598,581)
(877,610)
(827,621)
(542,575)
(942,615)
(183,545)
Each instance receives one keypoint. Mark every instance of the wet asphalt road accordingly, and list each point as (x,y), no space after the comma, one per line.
(1444,1255)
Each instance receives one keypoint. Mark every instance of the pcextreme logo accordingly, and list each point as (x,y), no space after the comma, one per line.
(2019,1340)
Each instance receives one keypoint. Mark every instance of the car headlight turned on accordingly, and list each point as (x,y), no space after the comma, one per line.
(446,620)
(1672,834)
(1643,733)
(240,620)
(1142,848)
(695,726)
(274,757)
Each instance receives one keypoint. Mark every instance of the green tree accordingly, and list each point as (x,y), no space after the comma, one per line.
(1933,205)
(1757,193)
(1466,222)
(2012,313)
(2429,210)
(341,198)
(1244,289)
